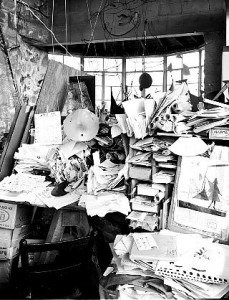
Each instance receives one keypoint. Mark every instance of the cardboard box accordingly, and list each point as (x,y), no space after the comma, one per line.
(14,215)
(10,241)
(10,237)
(5,272)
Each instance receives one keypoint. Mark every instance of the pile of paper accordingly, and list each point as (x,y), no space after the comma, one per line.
(104,203)
(102,176)
(25,183)
(31,156)
(190,266)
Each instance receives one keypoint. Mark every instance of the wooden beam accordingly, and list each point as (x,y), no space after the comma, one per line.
(179,42)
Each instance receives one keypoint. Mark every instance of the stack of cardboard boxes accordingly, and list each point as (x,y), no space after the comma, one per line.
(15,224)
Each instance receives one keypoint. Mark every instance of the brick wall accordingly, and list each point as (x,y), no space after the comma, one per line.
(213,60)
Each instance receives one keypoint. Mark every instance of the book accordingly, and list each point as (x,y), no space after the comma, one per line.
(206,262)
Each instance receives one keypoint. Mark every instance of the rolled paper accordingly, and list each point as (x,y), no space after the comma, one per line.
(168,117)
(180,127)
(157,119)
(165,126)
(159,197)
(166,152)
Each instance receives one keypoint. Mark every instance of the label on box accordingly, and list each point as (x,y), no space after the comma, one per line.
(220,133)
(7,214)
(14,215)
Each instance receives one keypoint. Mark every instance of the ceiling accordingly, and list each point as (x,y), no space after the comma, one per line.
(132,47)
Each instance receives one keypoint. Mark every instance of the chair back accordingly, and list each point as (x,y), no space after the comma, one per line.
(71,259)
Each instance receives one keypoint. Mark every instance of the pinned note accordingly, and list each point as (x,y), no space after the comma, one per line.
(48,128)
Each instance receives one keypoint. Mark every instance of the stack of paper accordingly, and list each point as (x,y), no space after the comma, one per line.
(164,176)
(144,203)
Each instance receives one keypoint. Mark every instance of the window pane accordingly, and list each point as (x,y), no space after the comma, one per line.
(193,88)
(70,61)
(112,65)
(154,63)
(176,75)
(202,79)
(93,64)
(113,79)
(193,77)
(202,57)
(98,77)
(157,78)
(175,61)
(191,59)
(133,90)
(153,89)
(134,64)
(117,94)
(98,93)
(132,79)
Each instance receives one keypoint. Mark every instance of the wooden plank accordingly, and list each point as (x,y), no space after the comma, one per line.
(54,89)
(55,233)
(78,219)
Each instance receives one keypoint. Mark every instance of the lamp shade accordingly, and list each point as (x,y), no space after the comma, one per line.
(81,125)
(145,81)
(188,146)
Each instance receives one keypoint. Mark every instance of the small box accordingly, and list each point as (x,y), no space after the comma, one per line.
(219,133)
(14,215)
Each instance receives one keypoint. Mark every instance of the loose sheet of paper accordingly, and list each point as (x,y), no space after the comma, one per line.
(48,128)
(144,241)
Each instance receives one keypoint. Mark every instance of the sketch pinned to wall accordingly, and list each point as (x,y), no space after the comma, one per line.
(201,197)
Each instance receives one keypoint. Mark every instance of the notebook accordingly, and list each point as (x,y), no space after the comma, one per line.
(166,249)
(209,263)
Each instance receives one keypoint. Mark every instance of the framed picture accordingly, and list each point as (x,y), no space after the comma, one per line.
(200,201)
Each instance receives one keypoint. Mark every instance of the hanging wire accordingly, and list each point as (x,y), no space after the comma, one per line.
(89,17)
(144,47)
(53,8)
(66,25)
(92,32)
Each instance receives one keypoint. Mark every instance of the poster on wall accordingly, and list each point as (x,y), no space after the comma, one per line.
(201,196)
